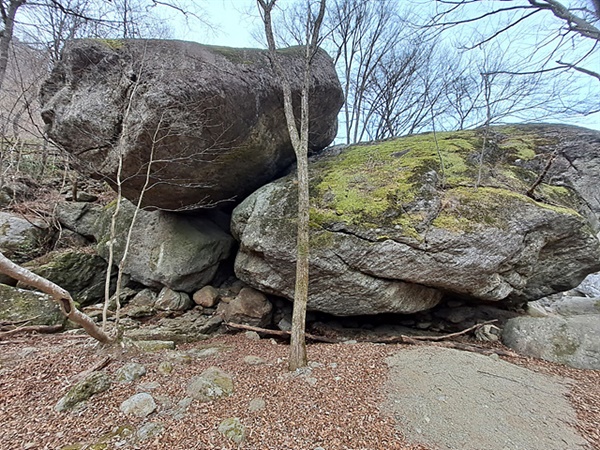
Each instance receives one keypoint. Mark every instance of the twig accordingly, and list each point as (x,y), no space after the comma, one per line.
(33,329)
(403,338)
(18,322)
(100,364)
(285,334)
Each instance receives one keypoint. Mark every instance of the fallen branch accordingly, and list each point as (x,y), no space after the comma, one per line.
(100,364)
(46,329)
(440,341)
(285,334)
(58,294)
(403,339)
(18,322)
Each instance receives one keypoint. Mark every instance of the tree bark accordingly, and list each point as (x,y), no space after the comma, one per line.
(299,139)
(60,296)
(6,35)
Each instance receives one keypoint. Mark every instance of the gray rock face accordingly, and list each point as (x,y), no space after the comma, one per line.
(218,112)
(82,274)
(21,239)
(574,341)
(590,287)
(35,307)
(167,249)
(95,383)
(79,217)
(233,429)
(390,231)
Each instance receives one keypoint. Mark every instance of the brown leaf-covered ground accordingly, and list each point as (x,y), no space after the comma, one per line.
(335,404)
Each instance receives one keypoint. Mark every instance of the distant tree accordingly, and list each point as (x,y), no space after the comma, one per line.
(553,36)
(298,128)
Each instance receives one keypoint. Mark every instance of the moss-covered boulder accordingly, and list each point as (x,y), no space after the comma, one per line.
(209,119)
(81,272)
(397,224)
(36,308)
(166,249)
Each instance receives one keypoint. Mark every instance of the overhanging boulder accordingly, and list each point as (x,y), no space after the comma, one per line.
(392,230)
(208,119)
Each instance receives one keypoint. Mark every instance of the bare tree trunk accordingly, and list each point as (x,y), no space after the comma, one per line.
(60,296)
(299,140)
(6,35)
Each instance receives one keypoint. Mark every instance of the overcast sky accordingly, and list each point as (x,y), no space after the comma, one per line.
(235,23)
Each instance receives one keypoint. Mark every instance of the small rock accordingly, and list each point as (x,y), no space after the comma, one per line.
(95,383)
(284,325)
(233,429)
(82,196)
(211,384)
(150,386)
(170,300)
(206,297)
(149,430)
(203,353)
(130,372)
(256,404)
(165,368)
(253,360)
(139,405)
(252,335)
(250,307)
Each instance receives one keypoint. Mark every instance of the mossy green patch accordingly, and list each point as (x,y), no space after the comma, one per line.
(115,44)
(398,182)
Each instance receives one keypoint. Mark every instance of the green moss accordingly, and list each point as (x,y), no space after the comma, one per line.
(564,345)
(397,183)
(115,44)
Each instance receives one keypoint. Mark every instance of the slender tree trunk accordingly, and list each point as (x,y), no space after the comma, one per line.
(60,296)
(299,140)
(6,35)
(298,357)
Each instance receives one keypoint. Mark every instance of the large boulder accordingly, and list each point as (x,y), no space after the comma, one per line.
(166,249)
(392,229)
(209,119)
(22,239)
(572,340)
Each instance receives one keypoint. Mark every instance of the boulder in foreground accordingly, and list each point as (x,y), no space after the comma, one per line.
(393,230)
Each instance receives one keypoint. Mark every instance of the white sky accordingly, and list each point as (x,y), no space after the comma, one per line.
(232,20)
(236,22)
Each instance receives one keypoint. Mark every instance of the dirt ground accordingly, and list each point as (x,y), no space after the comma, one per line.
(337,403)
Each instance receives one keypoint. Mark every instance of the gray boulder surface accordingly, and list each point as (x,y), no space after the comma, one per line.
(572,340)
(80,273)
(208,119)
(167,249)
(392,230)
(139,405)
(170,300)
(250,307)
(79,217)
(448,400)
(22,239)
(35,307)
